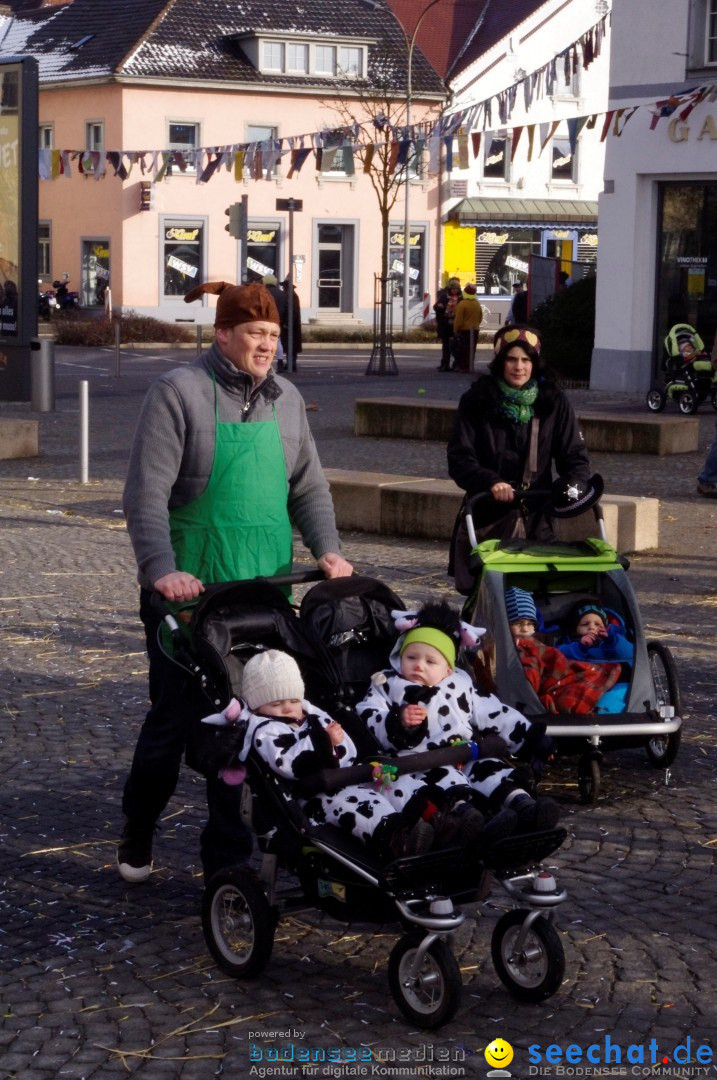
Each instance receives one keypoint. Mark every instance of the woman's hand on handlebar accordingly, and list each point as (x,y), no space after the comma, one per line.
(179,586)
(502,492)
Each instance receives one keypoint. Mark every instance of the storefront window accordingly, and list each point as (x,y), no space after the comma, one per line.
(95,272)
(687,268)
(416,268)
(262,251)
(495,162)
(502,257)
(182,258)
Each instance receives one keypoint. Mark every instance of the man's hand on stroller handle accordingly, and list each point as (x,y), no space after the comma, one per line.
(334,565)
(179,585)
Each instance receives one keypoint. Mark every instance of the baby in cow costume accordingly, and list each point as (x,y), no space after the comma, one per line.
(296,739)
(423,702)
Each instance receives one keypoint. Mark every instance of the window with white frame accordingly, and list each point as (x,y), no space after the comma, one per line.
(46,136)
(325,60)
(350,61)
(272,56)
(297,58)
(184,139)
(711,33)
(563,167)
(44,249)
(94,141)
(94,135)
(265,136)
(496,159)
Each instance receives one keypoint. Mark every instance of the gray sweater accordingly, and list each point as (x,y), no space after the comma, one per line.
(173,451)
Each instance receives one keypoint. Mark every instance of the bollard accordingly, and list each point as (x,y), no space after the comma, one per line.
(118,331)
(84,432)
(42,374)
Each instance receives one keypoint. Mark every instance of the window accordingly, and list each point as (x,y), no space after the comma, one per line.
(496,161)
(94,140)
(44,250)
(711,33)
(94,135)
(262,133)
(350,61)
(337,158)
(46,136)
(184,139)
(272,56)
(564,161)
(297,58)
(325,60)
(182,257)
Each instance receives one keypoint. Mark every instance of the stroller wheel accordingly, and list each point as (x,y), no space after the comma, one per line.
(530,966)
(688,403)
(589,778)
(430,996)
(662,749)
(656,399)
(238,923)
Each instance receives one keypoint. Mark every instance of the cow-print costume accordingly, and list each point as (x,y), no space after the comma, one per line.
(295,750)
(455,710)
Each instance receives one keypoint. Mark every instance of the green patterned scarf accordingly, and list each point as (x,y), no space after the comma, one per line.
(517,405)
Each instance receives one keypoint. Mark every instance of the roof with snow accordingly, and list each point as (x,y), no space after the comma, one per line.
(198,40)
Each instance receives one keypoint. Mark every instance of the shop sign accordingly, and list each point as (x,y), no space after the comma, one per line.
(679,130)
(181,234)
(397,267)
(256,236)
(397,239)
(589,238)
(258,267)
(492,238)
(558,234)
(516,264)
(183,267)
(691,260)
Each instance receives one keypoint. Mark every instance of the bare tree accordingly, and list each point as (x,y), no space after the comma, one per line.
(372,129)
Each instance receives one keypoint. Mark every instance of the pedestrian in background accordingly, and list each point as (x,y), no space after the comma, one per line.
(466,324)
(445,309)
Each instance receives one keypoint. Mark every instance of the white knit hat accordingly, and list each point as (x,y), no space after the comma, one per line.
(271,676)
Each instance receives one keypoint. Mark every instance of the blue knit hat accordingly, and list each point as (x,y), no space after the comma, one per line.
(519,604)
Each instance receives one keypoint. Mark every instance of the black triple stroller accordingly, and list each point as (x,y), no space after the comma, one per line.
(342,633)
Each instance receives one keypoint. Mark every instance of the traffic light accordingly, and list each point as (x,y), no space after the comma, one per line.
(234,213)
(146,200)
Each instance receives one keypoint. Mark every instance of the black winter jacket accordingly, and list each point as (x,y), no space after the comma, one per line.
(487,447)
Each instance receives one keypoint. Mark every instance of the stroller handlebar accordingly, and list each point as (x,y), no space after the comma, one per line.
(540,498)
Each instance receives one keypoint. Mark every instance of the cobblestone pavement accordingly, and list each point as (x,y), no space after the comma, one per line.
(104,980)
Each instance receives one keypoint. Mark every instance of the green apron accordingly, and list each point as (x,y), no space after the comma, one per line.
(239,527)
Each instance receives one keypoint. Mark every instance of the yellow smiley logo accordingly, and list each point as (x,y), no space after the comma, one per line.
(499,1053)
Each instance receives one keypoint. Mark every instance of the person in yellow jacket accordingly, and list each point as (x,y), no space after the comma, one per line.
(466,324)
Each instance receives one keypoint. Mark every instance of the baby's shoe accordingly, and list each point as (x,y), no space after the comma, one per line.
(502,824)
(415,840)
(471,824)
(535,815)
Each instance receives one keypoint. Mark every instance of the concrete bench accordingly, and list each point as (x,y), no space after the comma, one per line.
(426,508)
(19,439)
(408,418)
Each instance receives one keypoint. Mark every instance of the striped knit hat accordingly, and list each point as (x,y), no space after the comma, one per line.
(519,604)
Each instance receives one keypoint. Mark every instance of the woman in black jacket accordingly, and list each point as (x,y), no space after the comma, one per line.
(489,450)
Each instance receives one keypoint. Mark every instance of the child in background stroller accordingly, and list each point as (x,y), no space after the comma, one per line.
(689,373)
(332,870)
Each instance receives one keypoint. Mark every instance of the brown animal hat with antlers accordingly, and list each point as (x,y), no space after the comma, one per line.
(237,303)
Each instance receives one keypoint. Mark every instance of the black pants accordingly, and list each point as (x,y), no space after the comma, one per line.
(175,706)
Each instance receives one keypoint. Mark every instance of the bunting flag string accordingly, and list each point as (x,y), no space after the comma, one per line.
(260,160)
